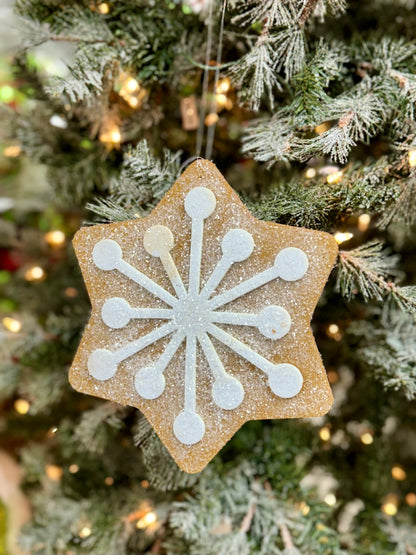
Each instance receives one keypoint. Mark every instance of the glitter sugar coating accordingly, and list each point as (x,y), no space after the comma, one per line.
(201,316)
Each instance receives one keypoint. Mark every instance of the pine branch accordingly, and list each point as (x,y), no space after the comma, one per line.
(319,205)
(62,521)
(405,298)
(366,270)
(336,143)
(387,347)
(311,84)
(243,516)
(274,12)
(71,24)
(307,10)
(109,210)
(404,209)
(96,426)
(385,55)
(290,50)
(255,73)
(270,140)
(403,535)
(163,472)
(93,66)
(360,115)
(143,180)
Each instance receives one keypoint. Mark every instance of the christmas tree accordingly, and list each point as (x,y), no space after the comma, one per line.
(308,108)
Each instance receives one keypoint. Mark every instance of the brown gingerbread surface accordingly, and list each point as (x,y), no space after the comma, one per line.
(203,375)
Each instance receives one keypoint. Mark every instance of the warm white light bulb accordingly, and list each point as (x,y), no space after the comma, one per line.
(223,86)
(367,438)
(12,324)
(55,238)
(22,406)
(412,158)
(330,499)
(115,136)
(398,473)
(341,237)
(147,520)
(35,273)
(325,433)
(104,8)
(334,177)
(363,222)
(131,84)
(85,532)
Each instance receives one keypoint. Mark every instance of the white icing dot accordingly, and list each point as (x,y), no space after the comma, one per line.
(189,428)
(274,322)
(200,203)
(101,365)
(285,380)
(107,254)
(227,392)
(292,263)
(149,383)
(237,245)
(158,239)
(116,313)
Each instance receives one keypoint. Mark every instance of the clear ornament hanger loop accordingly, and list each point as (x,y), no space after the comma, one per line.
(205,84)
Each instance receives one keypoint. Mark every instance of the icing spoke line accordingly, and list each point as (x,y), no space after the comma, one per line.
(241,348)
(189,427)
(153,313)
(103,363)
(107,255)
(273,321)
(211,355)
(199,204)
(195,257)
(244,287)
(141,279)
(117,313)
(139,344)
(169,352)
(285,380)
(290,264)
(237,245)
(190,373)
(150,381)
(158,241)
(173,274)
(235,318)
(227,391)
(215,278)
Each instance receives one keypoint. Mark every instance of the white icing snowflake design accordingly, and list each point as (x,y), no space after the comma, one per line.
(193,316)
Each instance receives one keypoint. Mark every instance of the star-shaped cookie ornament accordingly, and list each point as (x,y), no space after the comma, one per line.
(201,316)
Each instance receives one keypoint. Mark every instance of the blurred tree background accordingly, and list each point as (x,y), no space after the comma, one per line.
(312,121)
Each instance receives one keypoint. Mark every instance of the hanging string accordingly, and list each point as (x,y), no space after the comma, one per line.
(187,162)
(203,107)
(213,106)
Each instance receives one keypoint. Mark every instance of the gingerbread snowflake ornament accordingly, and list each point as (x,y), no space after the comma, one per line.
(201,316)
